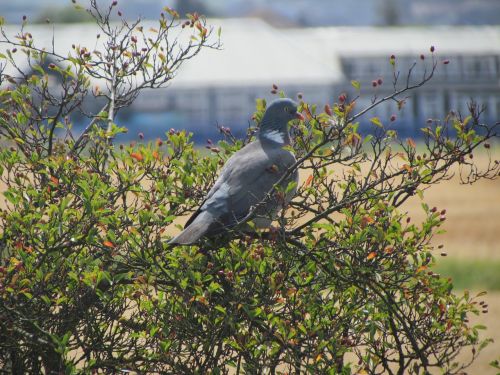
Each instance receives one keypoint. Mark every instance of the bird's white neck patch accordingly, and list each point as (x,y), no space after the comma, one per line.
(274,135)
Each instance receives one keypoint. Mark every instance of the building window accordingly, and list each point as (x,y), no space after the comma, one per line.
(431,105)
(479,67)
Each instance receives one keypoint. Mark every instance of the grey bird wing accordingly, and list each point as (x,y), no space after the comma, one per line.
(244,182)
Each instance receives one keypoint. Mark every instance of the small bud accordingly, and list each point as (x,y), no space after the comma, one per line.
(408,219)
(114,3)
(446,62)
(374,83)
(47,20)
(393,118)
(393,57)
(119,13)
(14,50)
(432,49)
(379,81)
(52,66)
(141,135)
(342,98)
(328,110)
(121,146)
(171,131)
(24,18)
(275,86)
(159,142)
(422,57)
(443,212)
(486,145)
(429,121)
(300,95)
(273,91)
(440,246)
(443,254)
(133,38)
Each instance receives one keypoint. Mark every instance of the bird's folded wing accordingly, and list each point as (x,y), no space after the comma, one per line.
(248,176)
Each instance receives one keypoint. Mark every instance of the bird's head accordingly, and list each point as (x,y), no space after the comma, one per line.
(275,120)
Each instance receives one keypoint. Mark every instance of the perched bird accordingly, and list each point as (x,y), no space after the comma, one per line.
(246,179)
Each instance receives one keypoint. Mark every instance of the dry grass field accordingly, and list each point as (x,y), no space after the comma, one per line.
(472,241)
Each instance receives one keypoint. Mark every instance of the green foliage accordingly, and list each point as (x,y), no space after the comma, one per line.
(346,284)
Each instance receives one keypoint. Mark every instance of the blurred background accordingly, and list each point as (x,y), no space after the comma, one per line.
(316,48)
(313,47)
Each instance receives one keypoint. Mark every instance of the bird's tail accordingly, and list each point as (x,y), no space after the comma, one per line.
(194,231)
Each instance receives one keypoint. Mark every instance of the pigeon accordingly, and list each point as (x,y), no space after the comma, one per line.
(241,192)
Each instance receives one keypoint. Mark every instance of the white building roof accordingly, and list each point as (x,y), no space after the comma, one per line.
(255,53)
(385,41)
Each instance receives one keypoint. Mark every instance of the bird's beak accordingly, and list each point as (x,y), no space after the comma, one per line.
(299,116)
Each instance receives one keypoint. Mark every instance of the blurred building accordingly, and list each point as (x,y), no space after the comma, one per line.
(220,87)
(288,12)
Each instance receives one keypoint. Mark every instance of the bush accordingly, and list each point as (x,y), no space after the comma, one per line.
(344,284)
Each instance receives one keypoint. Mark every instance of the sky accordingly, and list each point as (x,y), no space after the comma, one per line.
(289,12)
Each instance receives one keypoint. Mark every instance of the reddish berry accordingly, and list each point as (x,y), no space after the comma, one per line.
(393,118)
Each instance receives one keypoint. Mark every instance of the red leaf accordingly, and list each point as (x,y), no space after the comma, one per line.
(309,180)
(108,244)
(137,156)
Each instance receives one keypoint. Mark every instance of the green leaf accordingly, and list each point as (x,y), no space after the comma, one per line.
(356,84)
(220,309)
(261,104)
(376,121)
